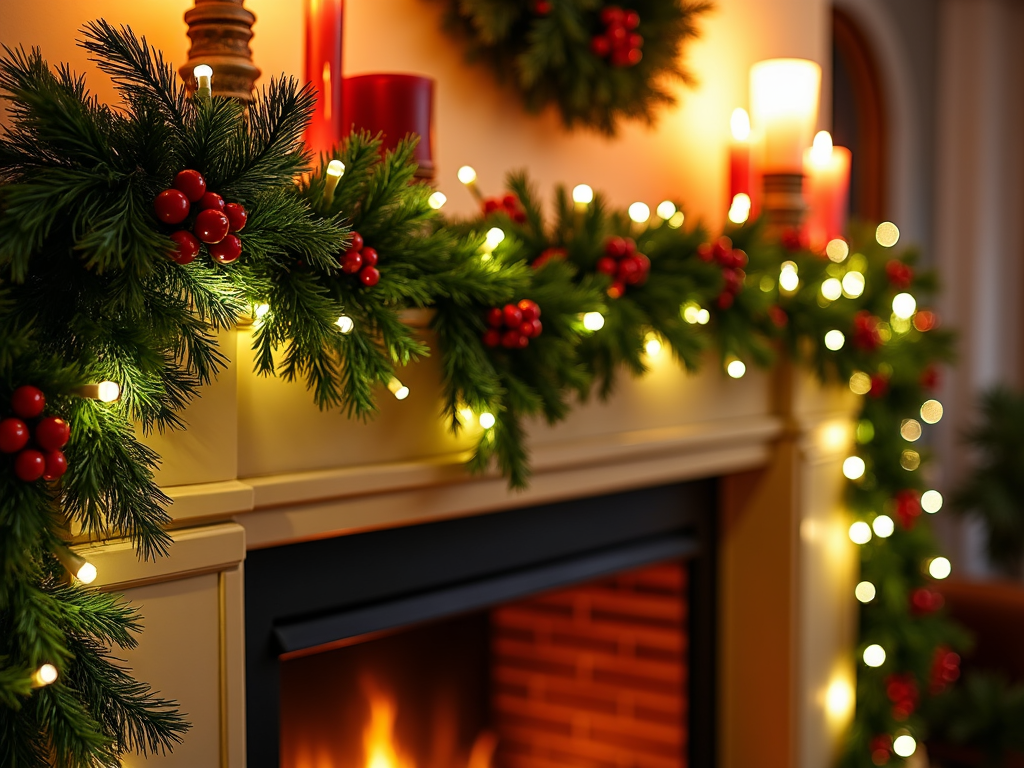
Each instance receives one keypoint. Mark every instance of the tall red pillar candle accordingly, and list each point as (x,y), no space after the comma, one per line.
(827,190)
(324,19)
(395,105)
(739,155)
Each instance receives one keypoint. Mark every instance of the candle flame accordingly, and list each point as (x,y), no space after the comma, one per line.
(327,94)
(821,150)
(740,124)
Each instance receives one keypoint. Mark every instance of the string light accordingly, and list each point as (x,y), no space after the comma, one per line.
(486,420)
(346,324)
(939,568)
(204,81)
(874,655)
(865,432)
(865,592)
(887,234)
(677,220)
(261,310)
(593,321)
(335,170)
(837,250)
(883,526)
(860,383)
(931,502)
(467,175)
(904,745)
(860,532)
(652,345)
(910,430)
(832,289)
(736,369)
(44,676)
(739,211)
(437,200)
(639,212)
(492,240)
(789,279)
(854,467)
(904,306)
(910,460)
(398,389)
(666,210)
(104,391)
(76,565)
(931,412)
(583,194)
(853,285)
(834,340)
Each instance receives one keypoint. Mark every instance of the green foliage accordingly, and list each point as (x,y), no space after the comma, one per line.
(994,489)
(984,714)
(548,59)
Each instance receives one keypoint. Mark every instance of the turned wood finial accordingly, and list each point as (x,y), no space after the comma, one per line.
(220,31)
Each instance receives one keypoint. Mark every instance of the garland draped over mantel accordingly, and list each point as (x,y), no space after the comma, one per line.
(130,237)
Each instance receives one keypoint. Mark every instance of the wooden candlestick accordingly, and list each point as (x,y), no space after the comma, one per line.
(220,31)
(784,204)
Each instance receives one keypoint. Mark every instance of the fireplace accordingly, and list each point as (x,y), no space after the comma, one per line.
(578,633)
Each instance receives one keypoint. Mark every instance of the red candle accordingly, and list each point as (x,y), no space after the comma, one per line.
(739,155)
(395,105)
(323,69)
(827,190)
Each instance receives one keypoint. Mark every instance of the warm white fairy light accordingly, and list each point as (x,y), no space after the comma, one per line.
(860,532)
(865,592)
(486,420)
(261,310)
(345,324)
(931,412)
(45,675)
(583,194)
(789,279)
(904,306)
(739,211)
(832,289)
(883,526)
(860,383)
(887,234)
(652,345)
(853,285)
(677,220)
(691,312)
(736,369)
(931,502)
(639,213)
(910,430)
(837,250)
(204,80)
(104,391)
(874,655)
(904,745)
(76,565)
(593,321)
(910,460)
(437,200)
(703,317)
(834,340)
(335,170)
(939,568)
(666,210)
(398,389)
(467,175)
(854,467)
(493,238)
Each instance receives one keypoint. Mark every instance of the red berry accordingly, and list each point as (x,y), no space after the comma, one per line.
(628,270)
(29,465)
(369,256)
(211,226)
(519,217)
(491,205)
(706,252)
(606,265)
(778,316)
(356,243)
(550,254)
(542,7)
(227,250)
(611,14)
(524,341)
(740,258)
(28,401)
(530,310)
(56,464)
(492,337)
(186,247)
(722,249)
(510,339)
(600,46)
(513,315)
(724,300)
(616,247)
(531,328)
(52,433)
(631,20)
(351,262)
(13,435)
(925,320)
(616,289)
(733,279)
(211,201)
(237,216)
(171,206)
(630,244)
(191,183)
(510,202)
(644,262)
(636,41)
(495,317)
(620,58)
(369,276)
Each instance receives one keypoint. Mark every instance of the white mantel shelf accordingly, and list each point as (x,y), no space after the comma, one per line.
(260,467)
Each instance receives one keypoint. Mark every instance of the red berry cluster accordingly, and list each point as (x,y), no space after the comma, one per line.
(214,223)
(623,264)
(945,669)
(361,259)
(732,260)
(508,204)
(900,275)
(908,507)
(549,254)
(542,7)
(513,325)
(881,749)
(924,600)
(619,42)
(865,331)
(44,459)
(902,691)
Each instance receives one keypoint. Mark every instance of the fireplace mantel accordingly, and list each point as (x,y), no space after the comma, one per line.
(261,467)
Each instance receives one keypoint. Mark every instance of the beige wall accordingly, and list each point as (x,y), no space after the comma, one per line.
(683,158)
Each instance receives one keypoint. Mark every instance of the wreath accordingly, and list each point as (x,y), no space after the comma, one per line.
(600,64)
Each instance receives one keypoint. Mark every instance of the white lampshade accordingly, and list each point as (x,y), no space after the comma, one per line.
(784,95)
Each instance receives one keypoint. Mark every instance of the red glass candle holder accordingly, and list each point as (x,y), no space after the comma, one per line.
(395,105)
(324,20)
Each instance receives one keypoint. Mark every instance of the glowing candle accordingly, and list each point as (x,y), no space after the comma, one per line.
(784,100)
(827,190)
(324,20)
(739,156)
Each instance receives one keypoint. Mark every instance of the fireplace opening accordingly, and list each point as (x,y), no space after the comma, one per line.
(571,634)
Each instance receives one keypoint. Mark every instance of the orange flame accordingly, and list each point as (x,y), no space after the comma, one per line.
(379,734)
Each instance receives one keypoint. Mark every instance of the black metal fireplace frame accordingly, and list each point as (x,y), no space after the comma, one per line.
(308,595)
